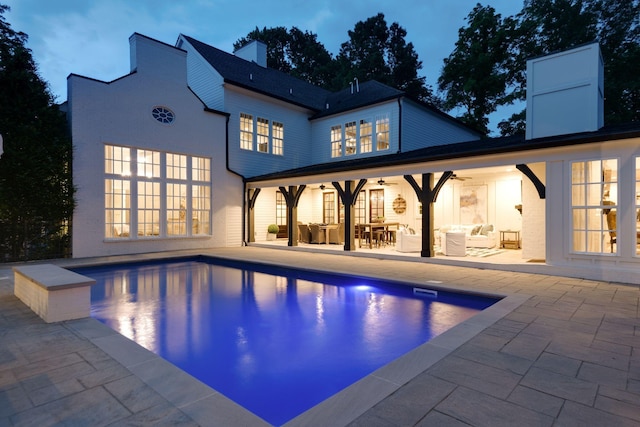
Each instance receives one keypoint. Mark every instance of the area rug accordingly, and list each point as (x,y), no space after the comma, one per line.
(477,252)
(484,252)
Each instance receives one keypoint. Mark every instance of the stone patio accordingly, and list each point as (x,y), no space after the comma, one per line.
(569,355)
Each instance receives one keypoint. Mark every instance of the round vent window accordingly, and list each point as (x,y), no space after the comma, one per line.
(163,115)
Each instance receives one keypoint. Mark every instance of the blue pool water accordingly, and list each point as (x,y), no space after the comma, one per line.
(276,341)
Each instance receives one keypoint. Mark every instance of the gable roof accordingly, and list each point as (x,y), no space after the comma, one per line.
(249,75)
(282,86)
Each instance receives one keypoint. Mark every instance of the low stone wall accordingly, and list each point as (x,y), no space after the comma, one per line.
(53,293)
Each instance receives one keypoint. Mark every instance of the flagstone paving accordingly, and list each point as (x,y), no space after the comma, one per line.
(568,356)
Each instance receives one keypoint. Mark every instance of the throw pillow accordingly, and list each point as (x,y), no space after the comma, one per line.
(486,229)
(476,230)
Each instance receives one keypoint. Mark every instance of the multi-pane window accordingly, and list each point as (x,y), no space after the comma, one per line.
(176,209)
(117,202)
(148,208)
(376,205)
(200,195)
(361,208)
(281,209)
(362,134)
(176,166)
(594,202)
(117,166)
(350,141)
(246,131)
(336,141)
(262,130)
(117,160)
(154,201)
(201,169)
(277,138)
(200,209)
(365,136)
(263,133)
(328,207)
(382,133)
(148,163)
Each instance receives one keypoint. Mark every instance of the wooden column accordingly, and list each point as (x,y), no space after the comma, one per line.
(292,197)
(427,195)
(349,196)
(252,195)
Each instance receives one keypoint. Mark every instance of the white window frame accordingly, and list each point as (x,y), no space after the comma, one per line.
(246,131)
(140,202)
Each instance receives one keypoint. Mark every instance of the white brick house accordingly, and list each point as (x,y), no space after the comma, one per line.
(172,155)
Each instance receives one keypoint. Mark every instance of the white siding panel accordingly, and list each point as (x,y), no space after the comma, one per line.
(422,128)
(120,113)
(296,151)
(203,79)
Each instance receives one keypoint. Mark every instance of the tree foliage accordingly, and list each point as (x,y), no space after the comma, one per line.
(476,75)
(374,51)
(36,192)
(619,36)
(294,52)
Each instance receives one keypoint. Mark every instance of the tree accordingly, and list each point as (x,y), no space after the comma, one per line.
(544,27)
(374,52)
(378,52)
(476,75)
(294,52)
(36,191)
(619,37)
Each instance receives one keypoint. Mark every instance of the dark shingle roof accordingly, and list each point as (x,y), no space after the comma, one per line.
(356,96)
(264,80)
(274,83)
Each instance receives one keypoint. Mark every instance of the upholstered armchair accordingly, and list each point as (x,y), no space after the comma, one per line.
(304,234)
(336,235)
(317,235)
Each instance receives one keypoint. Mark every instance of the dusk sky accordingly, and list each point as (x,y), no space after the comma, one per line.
(90,37)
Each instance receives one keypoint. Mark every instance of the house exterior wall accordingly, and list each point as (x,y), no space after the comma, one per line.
(533,216)
(422,128)
(321,132)
(203,79)
(623,264)
(296,152)
(119,113)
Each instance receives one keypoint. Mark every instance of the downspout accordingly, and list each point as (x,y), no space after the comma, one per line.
(244,183)
(399,124)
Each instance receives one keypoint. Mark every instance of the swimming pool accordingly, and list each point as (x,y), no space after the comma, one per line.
(276,341)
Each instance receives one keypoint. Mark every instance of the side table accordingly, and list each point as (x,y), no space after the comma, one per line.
(510,238)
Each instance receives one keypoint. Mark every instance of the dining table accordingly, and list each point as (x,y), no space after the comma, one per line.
(326,228)
(371,227)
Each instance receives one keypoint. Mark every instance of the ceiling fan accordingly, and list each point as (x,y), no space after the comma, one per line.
(383,182)
(460,178)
